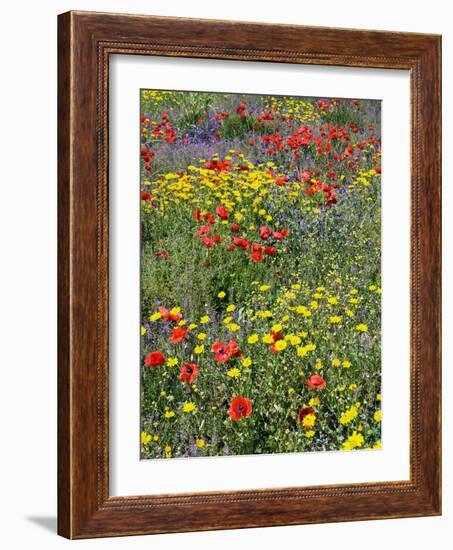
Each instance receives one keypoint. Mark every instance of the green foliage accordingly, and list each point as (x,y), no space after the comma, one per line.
(237,126)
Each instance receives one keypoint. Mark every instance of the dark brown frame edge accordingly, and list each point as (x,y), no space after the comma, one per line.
(85,41)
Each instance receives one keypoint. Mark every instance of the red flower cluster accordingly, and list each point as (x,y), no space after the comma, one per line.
(265,115)
(266,232)
(257,254)
(199,216)
(164,129)
(188,372)
(336,133)
(274,142)
(270,250)
(257,251)
(224,352)
(300,138)
(239,407)
(323,104)
(219,165)
(281,181)
(240,109)
(207,241)
(240,242)
(168,316)
(147,157)
(221,115)
(322,146)
(204,230)
(305,175)
(328,190)
(154,359)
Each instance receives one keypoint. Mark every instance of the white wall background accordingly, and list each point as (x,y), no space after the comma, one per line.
(28,270)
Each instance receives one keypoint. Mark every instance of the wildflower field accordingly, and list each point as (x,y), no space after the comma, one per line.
(260,274)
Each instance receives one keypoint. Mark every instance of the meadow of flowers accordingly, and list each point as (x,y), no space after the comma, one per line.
(260,274)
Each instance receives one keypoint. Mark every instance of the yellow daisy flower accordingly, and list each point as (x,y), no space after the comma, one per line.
(252,339)
(146,438)
(234,373)
(189,407)
(355,440)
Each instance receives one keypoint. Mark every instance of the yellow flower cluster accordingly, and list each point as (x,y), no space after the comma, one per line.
(348,415)
(303,112)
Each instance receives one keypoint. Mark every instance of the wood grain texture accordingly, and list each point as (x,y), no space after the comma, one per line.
(86,40)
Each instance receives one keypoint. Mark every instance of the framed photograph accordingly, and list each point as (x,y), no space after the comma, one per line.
(249,275)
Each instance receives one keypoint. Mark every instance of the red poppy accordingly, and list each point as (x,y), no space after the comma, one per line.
(270,250)
(305,175)
(241,108)
(235,227)
(222,115)
(332,174)
(305,411)
(256,257)
(234,349)
(230,247)
(188,372)
(265,232)
(276,336)
(207,242)
(323,104)
(154,359)
(162,254)
(241,243)
(281,181)
(256,247)
(217,238)
(198,216)
(316,382)
(170,137)
(348,151)
(178,334)
(147,157)
(240,407)
(224,352)
(209,218)
(279,235)
(144,196)
(204,230)
(168,316)
(221,165)
(222,212)
(221,352)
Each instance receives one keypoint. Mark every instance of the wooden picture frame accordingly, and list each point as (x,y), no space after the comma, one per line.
(85,42)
